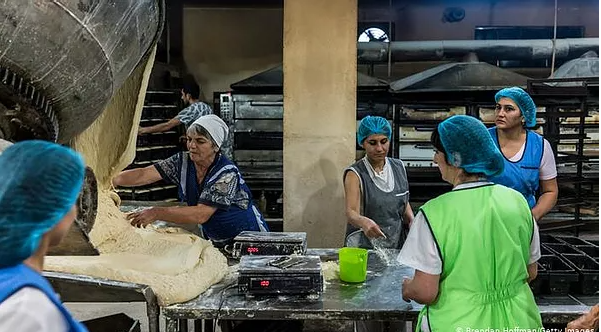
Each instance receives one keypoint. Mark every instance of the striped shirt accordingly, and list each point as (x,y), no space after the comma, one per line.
(191,113)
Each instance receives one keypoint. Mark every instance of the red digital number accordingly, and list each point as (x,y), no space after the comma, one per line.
(265,283)
(252,250)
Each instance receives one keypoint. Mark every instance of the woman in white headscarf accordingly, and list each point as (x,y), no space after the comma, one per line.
(218,198)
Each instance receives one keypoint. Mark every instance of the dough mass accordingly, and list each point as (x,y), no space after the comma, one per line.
(177,265)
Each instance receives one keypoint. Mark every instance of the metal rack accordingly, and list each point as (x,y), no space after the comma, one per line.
(159,106)
(413,124)
(571,128)
(425,99)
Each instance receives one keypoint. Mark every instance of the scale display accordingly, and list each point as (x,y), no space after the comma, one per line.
(272,275)
(269,243)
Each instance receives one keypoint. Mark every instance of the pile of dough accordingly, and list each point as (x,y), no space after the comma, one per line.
(178,266)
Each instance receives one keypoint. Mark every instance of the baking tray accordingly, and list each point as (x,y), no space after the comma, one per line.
(561,275)
(588,270)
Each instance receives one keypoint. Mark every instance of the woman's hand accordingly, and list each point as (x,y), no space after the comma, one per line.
(371,229)
(142,218)
(405,289)
(586,322)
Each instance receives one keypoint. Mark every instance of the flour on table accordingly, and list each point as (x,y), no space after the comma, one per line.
(330,270)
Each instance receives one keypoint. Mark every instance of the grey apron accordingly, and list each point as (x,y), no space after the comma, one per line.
(386,209)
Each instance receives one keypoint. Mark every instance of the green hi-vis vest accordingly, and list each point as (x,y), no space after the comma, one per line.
(483,235)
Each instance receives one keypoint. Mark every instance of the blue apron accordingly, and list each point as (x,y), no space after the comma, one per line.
(225,223)
(14,278)
(522,175)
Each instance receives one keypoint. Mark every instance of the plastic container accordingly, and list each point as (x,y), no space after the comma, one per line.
(591,251)
(561,275)
(538,285)
(353,264)
(588,270)
(562,249)
(545,251)
(572,240)
(546,238)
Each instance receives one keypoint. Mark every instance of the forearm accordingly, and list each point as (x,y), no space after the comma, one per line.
(356,219)
(161,127)
(182,214)
(411,291)
(130,178)
(408,215)
(532,272)
(408,292)
(544,204)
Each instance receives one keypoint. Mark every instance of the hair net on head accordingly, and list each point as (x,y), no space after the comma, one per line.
(215,126)
(524,102)
(40,182)
(468,145)
(371,125)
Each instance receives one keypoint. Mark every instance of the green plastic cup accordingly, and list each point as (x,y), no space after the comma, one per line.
(353,264)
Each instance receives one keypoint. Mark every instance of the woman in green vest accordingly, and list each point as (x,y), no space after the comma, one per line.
(474,249)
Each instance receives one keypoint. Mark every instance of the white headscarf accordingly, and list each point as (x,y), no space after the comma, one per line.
(215,126)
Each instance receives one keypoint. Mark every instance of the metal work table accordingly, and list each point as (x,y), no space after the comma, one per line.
(79,288)
(378,298)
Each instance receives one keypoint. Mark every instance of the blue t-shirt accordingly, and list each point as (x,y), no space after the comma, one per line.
(223,188)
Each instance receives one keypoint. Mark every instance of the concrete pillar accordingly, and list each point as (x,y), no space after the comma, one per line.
(320,83)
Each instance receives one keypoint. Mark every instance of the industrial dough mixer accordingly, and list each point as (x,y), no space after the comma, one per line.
(61,61)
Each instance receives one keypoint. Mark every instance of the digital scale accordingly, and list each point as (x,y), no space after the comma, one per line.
(269,243)
(278,275)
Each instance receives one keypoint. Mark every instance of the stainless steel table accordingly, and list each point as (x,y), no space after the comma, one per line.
(378,298)
(78,288)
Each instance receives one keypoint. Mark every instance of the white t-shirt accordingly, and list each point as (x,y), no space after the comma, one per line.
(419,250)
(547,169)
(30,310)
(384,180)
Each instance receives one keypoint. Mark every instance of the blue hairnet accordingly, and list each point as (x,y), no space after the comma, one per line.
(371,125)
(40,182)
(524,102)
(468,145)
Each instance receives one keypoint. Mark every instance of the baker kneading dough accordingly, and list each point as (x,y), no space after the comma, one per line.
(177,265)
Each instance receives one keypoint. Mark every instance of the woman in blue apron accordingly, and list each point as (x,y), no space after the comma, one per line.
(39,186)
(376,191)
(209,183)
(529,161)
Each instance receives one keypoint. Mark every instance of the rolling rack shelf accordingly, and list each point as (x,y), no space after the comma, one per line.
(414,122)
(571,120)
(567,118)
(159,106)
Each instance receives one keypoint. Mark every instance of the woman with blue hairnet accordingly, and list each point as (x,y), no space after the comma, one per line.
(528,157)
(473,249)
(39,187)
(376,191)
